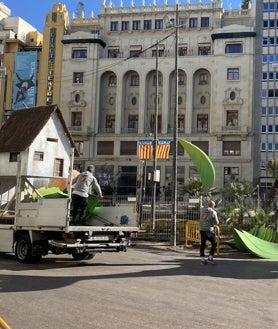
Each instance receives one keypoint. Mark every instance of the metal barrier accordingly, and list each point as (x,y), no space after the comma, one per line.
(3,324)
(192,234)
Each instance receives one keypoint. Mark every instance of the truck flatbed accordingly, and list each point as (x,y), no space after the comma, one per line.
(32,226)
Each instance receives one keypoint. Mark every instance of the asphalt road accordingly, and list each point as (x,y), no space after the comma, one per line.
(145,288)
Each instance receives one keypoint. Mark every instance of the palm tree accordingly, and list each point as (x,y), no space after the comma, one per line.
(194,188)
(237,193)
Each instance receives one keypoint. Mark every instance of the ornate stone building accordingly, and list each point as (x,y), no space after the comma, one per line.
(112,74)
(109,93)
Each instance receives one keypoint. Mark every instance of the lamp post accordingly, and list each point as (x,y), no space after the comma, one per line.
(175,138)
(155,141)
(258,196)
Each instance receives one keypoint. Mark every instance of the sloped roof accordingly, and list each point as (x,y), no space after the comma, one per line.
(20,130)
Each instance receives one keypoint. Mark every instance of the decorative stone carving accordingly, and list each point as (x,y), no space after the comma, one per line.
(232,96)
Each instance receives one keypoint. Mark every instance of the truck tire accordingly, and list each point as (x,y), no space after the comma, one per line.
(85,255)
(23,251)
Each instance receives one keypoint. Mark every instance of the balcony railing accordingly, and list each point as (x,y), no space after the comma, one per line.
(180,130)
(75,128)
(232,128)
(200,130)
(106,130)
(129,130)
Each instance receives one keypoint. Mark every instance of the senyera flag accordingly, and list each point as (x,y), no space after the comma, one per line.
(145,149)
(162,149)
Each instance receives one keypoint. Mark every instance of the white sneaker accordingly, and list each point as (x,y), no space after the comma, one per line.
(203,261)
(210,260)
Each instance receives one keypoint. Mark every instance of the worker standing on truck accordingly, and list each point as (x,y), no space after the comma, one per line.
(83,183)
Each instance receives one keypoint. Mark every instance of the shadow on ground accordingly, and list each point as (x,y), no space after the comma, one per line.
(184,264)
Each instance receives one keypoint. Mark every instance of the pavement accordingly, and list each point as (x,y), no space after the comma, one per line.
(225,250)
(152,286)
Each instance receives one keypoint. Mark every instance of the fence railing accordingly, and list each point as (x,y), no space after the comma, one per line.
(188,215)
(160,228)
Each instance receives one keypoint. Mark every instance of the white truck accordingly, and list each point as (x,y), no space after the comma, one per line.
(32,226)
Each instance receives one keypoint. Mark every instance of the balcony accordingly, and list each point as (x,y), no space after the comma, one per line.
(75,128)
(232,128)
(221,131)
(110,130)
(180,130)
(200,130)
(129,130)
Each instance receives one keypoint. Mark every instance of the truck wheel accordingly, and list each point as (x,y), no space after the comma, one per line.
(89,256)
(23,249)
(85,255)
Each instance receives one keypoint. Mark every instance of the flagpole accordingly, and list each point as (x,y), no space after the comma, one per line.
(142,189)
(154,176)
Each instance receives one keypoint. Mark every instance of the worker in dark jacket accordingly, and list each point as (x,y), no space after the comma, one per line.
(83,182)
(207,221)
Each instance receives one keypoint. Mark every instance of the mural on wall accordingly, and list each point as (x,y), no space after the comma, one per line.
(25,76)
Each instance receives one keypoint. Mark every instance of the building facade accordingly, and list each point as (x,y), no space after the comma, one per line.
(113,77)
(109,89)
(20,47)
(266,86)
(49,84)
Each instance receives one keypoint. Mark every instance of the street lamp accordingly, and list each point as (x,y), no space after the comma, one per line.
(175,133)
(155,140)
(175,136)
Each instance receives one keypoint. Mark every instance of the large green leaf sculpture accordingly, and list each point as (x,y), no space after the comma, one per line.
(202,162)
(257,246)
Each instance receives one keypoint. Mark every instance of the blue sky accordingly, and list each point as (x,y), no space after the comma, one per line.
(34,11)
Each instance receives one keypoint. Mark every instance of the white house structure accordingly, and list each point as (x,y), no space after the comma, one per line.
(40,136)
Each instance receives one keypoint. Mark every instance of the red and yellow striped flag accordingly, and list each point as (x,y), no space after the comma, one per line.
(163,148)
(145,149)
